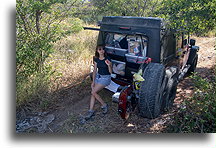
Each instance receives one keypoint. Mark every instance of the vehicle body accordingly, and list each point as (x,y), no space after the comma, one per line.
(148,60)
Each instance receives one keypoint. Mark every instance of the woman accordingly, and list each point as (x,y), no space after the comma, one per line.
(101,78)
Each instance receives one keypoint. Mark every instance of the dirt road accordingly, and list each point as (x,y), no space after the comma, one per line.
(73,102)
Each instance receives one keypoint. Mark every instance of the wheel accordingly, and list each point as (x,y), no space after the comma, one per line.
(171,87)
(193,65)
(152,90)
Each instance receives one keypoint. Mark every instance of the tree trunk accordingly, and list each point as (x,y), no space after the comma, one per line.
(37,16)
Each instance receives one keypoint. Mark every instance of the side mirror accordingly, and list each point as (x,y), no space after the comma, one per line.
(192,42)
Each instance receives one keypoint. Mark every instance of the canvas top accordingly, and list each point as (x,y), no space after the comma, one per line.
(147,22)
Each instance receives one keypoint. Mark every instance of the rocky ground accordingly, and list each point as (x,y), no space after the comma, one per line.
(73,102)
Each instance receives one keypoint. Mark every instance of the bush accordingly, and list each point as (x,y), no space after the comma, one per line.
(198,115)
(33,87)
(71,25)
(39,24)
(37,27)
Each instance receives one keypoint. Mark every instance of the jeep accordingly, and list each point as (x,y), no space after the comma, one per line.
(149,59)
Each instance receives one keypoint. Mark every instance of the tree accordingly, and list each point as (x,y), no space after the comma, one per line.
(142,8)
(38,25)
(194,16)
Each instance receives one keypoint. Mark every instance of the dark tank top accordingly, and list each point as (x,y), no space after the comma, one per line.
(102,66)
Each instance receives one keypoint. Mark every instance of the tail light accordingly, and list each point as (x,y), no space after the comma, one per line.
(125,28)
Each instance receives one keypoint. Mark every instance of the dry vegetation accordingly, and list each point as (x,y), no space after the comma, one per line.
(73,56)
(70,64)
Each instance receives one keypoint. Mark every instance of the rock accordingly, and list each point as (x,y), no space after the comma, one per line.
(39,122)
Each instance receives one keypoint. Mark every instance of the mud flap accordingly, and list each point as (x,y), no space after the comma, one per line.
(124,104)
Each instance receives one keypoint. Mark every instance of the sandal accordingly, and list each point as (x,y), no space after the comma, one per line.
(104,109)
(89,114)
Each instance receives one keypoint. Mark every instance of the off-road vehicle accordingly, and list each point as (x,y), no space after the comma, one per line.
(149,59)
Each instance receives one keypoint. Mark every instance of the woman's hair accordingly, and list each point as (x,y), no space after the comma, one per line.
(96,52)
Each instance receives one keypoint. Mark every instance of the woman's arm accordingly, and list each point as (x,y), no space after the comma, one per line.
(109,64)
(94,72)
(110,68)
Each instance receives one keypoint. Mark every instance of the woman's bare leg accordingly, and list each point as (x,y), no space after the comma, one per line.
(92,102)
(95,90)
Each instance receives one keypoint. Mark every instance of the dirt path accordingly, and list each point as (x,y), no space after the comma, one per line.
(74,102)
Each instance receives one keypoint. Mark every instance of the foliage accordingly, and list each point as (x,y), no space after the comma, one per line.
(38,26)
(126,7)
(194,16)
(35,87)
(198,115)
(92,11)
(71,25)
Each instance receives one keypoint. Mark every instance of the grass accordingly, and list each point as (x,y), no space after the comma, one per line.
(35,87)
(73,56)
(72,126)
(211,33)
(70,64)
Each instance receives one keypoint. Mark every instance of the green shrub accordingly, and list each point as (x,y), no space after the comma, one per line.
(39,24)
(71,25)
(198,114)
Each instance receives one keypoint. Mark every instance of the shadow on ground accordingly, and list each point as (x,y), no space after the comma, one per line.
(72,102)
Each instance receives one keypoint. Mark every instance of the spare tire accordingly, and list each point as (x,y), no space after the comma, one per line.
(151,90)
